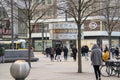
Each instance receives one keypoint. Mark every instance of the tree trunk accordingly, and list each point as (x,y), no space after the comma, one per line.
(79,49)
(29,45)
(29,26)
(109,35)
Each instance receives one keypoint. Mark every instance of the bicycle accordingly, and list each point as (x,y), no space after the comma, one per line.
(104,69)
(110,68)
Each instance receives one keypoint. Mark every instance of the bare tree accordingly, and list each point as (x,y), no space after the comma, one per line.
(111,15)
(27,12)
(80,10)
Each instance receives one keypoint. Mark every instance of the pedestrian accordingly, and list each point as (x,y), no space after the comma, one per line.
(106,50)
(74,51)
(47,51)
(96,59)
(105,55)
(117,51)
(2,52)
(52,53)
(112,50)
(86,50)
(65,50)
(55,53)
(32,48)
(58,53)
(83,51)
(71,54)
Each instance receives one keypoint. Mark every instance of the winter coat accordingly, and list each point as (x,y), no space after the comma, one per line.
(65,50)
(105,56)
(58,51)
(86,49)
(96,55)
(74,50)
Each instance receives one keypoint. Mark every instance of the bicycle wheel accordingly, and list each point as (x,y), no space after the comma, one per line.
(117,71)
(104,71)
(112,71)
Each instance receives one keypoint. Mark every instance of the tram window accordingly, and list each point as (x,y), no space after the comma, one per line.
(6,46)
(23,45)
(19,46)
(15,46)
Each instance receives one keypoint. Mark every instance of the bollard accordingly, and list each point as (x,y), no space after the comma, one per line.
(20,69)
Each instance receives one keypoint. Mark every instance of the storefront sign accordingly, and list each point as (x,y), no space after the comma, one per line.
(66,25)
(63,36)
(92,25)
(66,30)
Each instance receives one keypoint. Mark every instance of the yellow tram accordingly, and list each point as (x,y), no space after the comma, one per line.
(18,44)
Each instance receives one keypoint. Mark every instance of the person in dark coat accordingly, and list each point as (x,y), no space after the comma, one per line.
(112,50)
(48,51)
(2,52)
(52,53)
(117,51)
(96,59)
(86,50)
(74,51)
(83,51)
(58,53)
(65,50)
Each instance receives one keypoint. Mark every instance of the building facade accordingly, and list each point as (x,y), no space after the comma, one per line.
(10,28)
(56,31)
(57,27)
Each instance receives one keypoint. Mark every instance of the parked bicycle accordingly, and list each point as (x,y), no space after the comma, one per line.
(110,68)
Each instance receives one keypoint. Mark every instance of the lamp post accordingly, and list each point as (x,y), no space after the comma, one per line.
(43,37)
(12,27)
(66,15)
(46,30)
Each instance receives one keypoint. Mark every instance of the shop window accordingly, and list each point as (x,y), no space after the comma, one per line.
(49,2)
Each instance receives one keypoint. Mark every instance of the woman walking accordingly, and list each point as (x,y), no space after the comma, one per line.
(96,59)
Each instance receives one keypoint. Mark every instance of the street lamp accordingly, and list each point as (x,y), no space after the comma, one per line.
(12,36)
(43,37)
(66,15)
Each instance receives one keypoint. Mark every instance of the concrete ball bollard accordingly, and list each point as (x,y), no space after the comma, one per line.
(20,69)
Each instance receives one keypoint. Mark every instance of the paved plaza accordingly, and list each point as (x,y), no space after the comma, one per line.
(44,69)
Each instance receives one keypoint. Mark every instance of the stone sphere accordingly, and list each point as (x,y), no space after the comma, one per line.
(20,69)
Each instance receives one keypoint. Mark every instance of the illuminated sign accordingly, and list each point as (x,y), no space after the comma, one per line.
(66,30)
(66,25)
(93,25)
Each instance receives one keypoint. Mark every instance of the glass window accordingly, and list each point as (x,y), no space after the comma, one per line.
(48,1)
(37,1)
(43,2)
(49,13)
(38,28)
